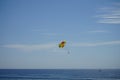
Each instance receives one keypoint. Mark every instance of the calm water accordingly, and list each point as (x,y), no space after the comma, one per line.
(59,74)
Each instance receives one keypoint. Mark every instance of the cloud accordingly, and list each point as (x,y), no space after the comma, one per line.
(110,15)
(98,31)
(54,47)
(96,44)
(110,21)
(34,47)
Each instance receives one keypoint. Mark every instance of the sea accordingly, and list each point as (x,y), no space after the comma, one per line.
(59,74)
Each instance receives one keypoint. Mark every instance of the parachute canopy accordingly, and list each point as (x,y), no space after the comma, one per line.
(62,44)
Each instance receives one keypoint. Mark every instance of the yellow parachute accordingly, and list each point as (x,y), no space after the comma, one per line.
(62,44)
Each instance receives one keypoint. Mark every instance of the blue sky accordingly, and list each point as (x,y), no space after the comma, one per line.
(30,31)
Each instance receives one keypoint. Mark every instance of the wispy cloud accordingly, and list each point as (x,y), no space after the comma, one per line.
(98,31)
(96,44)
(34,47)
(110,15)
(54,46)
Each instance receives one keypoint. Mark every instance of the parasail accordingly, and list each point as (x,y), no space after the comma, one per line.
(62,44)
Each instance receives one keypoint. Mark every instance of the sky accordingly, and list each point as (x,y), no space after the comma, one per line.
(30,31)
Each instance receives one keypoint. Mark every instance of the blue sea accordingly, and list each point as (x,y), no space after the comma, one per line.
(59,74)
